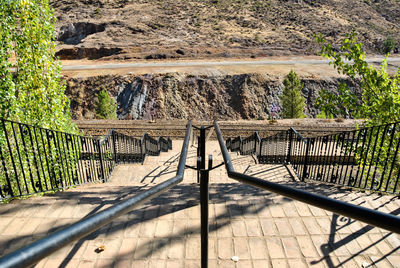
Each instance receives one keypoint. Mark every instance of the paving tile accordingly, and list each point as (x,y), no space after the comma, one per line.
(192,248)
(147,229)
(144,248)
(177,249)
(291,247)
(307,246)
(283,226)
(277,211)
(268,227)
(262,263)
(160,248)
(175,264)
(127,249)
(225,248)
(212,248)
(302,209)
(157,263)
(258,249)
(253,227)
(241,248)
(163,228)
(297,263)
(238,228)
(179,228)
(279,263)
(192,264)
(312,226)
(15,226)
(394,260)
(244,264)
(132,229)
(297,226)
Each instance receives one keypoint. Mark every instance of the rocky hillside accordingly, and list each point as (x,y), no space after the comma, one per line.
(179,96)
(158,29)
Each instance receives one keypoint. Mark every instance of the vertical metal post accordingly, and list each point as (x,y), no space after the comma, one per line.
(114,146)
(101,162)
(204,196)
(306,160)
(202,147)
(289,146)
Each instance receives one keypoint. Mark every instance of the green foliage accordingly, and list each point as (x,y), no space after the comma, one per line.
(323,115)
(292,101)
(106,107)
(31,93)
(379,100)
(379,103)
(388,45)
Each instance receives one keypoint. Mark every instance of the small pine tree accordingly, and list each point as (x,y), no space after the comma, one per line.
(292,101)
(106,107)
(388,45)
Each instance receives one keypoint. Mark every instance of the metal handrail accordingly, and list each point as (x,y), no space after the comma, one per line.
(38,250)
(379,219)
(106,137)
(298,134)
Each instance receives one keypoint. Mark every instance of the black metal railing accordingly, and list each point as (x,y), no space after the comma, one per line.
(236,144)
(34,159)
(251,144)
(366,158)
(33,253)
(151,145)
(128,149)
(376,218)
(107,155)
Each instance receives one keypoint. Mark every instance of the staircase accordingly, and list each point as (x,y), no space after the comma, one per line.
(260,228)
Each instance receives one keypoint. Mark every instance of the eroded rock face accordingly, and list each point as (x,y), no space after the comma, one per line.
(74,33)
(131,100)
(169,96)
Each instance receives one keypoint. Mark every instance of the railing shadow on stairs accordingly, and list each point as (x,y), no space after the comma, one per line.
(35,160)
(41,248)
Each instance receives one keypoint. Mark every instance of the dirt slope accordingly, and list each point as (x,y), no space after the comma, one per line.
(182,96)
(158,29)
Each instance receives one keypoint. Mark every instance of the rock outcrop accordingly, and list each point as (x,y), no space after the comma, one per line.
(168,96)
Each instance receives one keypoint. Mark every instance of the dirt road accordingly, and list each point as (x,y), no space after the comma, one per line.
(304,66)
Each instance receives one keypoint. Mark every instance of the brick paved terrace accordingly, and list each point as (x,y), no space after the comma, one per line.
(260,228)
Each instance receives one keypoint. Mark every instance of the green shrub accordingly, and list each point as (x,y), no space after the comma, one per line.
(106,108)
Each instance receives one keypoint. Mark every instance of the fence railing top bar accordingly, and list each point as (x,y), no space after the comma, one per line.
(38,250)
(376,218)
(45,129)
(298,134)
(106,137)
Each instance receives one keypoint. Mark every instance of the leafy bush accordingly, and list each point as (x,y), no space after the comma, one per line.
(106,107)
(292,101)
